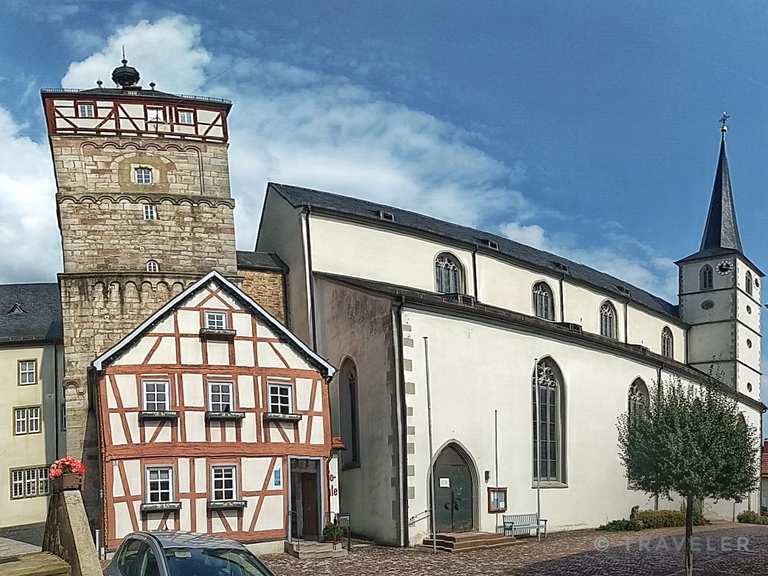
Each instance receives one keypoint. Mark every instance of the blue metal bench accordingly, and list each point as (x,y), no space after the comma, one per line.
(516,524)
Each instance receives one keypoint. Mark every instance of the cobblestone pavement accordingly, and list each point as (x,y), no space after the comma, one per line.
(724,549)
(10,547)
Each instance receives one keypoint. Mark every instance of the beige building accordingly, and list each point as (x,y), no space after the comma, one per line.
(31,404)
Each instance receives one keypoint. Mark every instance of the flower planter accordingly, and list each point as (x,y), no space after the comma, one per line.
(67,481)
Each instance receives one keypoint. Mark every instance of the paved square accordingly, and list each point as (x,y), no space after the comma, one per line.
(720,550)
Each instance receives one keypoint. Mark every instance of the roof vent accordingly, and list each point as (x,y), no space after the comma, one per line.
(16,309)
(388,216)
(488,243)
(560,266)
(622,289)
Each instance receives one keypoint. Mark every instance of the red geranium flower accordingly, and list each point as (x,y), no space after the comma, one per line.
(65,465)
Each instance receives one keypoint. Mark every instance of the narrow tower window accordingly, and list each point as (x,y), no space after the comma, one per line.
(153,266)
(143,175)
(667,343)
(448,274)
(608,324)
(706,277)
(748,282)
(543,303)
(150,212)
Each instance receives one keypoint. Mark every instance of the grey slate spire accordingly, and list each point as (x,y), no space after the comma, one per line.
(721,231)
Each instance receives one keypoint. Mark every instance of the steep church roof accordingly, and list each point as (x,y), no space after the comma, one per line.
(484,242)
(30,313)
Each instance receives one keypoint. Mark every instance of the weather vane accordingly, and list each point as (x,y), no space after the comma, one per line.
(724,117)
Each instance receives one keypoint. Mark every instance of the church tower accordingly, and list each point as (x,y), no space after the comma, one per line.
(144,209)
(720,295)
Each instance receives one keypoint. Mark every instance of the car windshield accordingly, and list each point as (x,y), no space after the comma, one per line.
(213,562)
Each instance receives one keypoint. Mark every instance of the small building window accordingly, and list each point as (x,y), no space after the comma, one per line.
(150,212)
(155,395)
(608,321)
(142,175)
(215,321)
(543,302)
(63,416)
(448,275)
(223,483)
(638,399)
(153,266)
(220,396)
(280,398)
(159,484)
(86,110)
(29,482)
(667,343)
(706,277)
(186,117)
(155,115)
(27,372)
(26,420)
(748,282)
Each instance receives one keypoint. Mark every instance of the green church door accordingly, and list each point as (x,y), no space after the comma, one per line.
(454,493)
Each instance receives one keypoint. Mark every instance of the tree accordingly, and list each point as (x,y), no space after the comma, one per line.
(689,441)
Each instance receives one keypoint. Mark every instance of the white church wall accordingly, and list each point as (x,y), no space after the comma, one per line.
(741,272)
(747,346)
(748,310)
(748,376)
(690,275)
(377,254)
(645,329)
(582,306)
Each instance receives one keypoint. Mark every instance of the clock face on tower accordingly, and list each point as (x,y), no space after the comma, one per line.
(724,268)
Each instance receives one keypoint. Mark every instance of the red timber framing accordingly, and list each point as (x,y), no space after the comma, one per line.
(190,442)
(127,115)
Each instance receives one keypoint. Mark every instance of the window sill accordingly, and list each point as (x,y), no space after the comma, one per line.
(224,415)
(279,417)
(160,506)
(158,415)
(549,484)
(226,504)
(213,334)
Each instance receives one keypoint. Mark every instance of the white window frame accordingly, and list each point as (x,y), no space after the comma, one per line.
(28,482)
(147,478)
(25,371)
(150,212)
(143,180)
(280,386)
(215,324)
(230,393)
(155,114)
(90,107)
(152,266)
(182,114)
(144,392)
(232,469)
(26,420)
(17,483)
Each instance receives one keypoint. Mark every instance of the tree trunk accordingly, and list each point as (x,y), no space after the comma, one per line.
(688,534)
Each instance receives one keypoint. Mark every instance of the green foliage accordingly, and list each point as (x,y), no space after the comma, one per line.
(333,532)
(647,519)
(750,517)
(691,442)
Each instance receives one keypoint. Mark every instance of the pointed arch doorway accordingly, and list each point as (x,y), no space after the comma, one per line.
(454,480)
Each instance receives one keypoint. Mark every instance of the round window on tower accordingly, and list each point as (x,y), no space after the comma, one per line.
(749,386)
(749,343)
(707,305)
(749,309)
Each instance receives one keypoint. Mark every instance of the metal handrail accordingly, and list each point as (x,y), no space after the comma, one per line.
(419,517)
(346,517)
(160,95)
(293,514)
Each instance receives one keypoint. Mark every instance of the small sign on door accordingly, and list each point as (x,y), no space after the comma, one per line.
(445,482)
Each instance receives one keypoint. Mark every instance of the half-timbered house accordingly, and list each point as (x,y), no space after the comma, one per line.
(214,418)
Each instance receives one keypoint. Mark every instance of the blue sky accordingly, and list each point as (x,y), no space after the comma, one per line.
(585,128)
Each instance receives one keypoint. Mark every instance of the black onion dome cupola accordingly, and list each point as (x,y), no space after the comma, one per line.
(126,76)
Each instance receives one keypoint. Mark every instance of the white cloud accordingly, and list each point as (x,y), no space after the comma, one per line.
(29,242)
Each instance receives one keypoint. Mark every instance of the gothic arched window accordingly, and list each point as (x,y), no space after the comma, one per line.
(548,422)
(153,266)
(638,399)
(448,274)
(667,343)
(748,282)
(543,302)
(350,426)
(706,277)
(608,321)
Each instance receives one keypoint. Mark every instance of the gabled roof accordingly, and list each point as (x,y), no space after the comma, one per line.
(30,313)
(106,358)
(419,224)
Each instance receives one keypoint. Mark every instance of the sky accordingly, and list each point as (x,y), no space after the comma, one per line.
(589,129)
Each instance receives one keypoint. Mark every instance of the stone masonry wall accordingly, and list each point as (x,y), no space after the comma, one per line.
(266,288)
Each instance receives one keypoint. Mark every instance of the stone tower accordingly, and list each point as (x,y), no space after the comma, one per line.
(144,209)
(720,295)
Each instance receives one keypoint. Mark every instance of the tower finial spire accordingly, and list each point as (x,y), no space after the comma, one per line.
(724,117)
(124,60)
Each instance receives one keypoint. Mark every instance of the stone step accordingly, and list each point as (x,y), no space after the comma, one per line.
(37,564)
(315,550)
(468,541)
